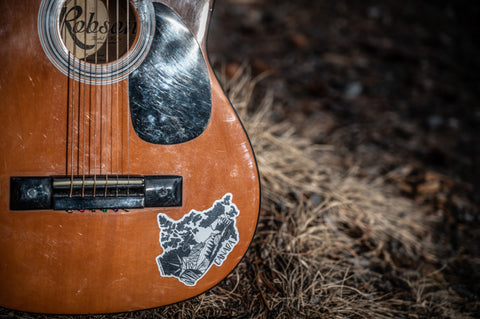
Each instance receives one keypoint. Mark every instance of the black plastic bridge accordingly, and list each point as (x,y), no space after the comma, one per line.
(94,192)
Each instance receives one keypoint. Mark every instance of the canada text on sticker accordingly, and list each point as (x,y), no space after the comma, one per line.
(194,243)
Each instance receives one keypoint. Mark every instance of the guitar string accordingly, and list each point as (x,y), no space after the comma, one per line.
(103,99)
(78,121)
(67,128)
(89,116)
(127,109)
(84,95)
(107,104)
(73,109)
(95,107)
(117,84)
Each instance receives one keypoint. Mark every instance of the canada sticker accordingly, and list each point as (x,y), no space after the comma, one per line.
(194,243)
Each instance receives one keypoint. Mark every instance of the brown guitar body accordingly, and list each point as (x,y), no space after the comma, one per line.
(52,261)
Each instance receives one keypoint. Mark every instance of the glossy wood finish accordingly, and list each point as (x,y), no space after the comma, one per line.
(55,262)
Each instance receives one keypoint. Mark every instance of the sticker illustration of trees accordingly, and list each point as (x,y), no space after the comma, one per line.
(194,243)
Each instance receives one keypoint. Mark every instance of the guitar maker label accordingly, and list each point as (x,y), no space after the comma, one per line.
(193,244)
(96,41)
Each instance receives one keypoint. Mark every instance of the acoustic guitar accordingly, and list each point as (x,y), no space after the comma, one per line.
(126,178)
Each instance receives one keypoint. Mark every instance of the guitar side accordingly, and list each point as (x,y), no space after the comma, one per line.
(98,262)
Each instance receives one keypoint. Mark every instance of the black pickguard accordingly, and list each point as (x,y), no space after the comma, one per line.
(170,98)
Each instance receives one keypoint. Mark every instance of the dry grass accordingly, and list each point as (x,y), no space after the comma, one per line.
(329,244)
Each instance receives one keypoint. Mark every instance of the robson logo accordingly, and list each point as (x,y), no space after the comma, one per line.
(96,30)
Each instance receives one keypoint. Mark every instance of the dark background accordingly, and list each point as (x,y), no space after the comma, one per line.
(393,85)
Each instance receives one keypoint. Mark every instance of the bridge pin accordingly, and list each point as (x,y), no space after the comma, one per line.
(104,210)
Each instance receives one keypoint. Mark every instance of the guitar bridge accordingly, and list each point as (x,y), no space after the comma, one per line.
(94,192)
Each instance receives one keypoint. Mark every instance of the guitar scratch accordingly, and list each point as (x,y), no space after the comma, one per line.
(118,281)
(31,80)
(230,118)
(21,144)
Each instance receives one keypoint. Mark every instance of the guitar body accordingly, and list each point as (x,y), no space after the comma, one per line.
(90,259)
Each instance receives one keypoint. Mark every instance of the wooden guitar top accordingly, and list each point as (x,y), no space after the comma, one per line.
(79,112)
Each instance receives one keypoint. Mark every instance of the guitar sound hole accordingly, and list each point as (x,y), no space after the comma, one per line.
(98,31)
